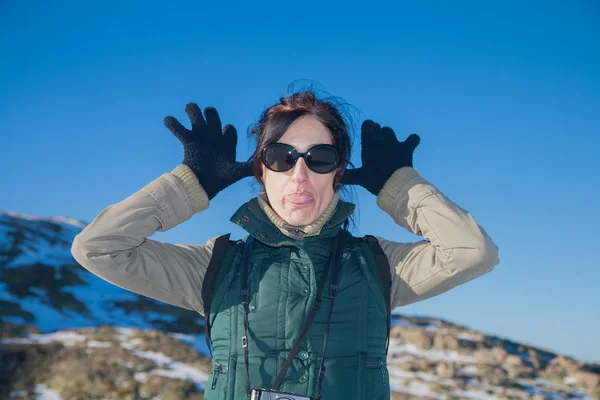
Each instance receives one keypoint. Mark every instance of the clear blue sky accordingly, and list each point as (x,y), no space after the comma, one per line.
(505,97)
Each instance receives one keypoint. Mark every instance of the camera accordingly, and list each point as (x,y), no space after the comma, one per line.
(268,394)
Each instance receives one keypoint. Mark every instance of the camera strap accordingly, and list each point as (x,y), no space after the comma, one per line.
(335,258)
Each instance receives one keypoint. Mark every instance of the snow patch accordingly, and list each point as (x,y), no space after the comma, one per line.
(172,369)
(398,347)
(474,395)
(569,380)
(432,327)
(470,370)
(67,338)
(183,337)
(404,323)
(398,374)
(159,359)
(533,390)
(402,359)
(131,344)
(434,378)
(42,392)
(58,219)
(467,336)
(140,377)
(69,221)
(416,389)
(125,331)
(473,383)
(182,371)
(99,345)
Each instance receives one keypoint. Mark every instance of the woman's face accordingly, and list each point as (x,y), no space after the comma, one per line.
(299,196)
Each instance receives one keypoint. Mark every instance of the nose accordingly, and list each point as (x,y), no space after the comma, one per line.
(300,171)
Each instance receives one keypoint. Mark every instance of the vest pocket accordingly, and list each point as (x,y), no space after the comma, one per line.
(217,380)
(377,378)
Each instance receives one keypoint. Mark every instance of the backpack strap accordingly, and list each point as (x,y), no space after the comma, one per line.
(221,245)
(385,278)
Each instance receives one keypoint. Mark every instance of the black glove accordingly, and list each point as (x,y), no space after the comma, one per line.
(209,150)
(382,155)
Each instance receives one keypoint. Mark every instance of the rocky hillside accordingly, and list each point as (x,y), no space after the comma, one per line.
(102,363)
(429,359)
(66,334)
(439,360)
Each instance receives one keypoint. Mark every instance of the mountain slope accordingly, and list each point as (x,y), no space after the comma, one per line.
(41,283)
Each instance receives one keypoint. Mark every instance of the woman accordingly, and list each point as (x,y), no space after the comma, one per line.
(267,328)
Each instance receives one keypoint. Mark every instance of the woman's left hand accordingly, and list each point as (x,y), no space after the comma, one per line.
(382,155)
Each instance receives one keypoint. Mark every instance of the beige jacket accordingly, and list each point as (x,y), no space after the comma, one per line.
(116,248)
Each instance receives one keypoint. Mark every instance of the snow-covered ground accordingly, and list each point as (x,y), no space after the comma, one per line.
(170,368)
(165,366)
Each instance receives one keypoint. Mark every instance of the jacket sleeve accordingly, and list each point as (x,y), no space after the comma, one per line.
(455,249)
(116,248)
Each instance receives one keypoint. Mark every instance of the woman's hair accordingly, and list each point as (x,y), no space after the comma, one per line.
(276,120)
(330,111)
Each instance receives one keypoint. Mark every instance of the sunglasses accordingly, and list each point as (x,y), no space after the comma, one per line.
(281,157)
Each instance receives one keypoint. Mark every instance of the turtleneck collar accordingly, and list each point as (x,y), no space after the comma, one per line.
(313,229)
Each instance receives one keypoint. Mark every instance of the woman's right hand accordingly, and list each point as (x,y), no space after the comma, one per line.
(209,150)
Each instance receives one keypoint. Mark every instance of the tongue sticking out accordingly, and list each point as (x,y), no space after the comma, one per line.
(299,199)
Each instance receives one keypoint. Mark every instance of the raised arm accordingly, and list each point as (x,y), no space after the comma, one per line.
(455,250)
(115,245)
(116,248)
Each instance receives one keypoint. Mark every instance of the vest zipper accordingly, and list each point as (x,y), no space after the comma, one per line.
(300,235)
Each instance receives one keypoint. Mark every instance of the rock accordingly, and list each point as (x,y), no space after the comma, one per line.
(562,366)
(513,393)
(513,361)
(494,374)
(22,366)
(445,370)
(497,354)
(445,342)
(586,379)
(534,359)
(419,337)
(469,340)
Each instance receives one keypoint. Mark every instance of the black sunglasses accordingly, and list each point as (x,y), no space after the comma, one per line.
(281,157)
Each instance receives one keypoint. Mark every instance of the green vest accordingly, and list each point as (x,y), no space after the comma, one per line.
(284,277)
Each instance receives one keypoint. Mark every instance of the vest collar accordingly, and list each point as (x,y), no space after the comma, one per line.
(294,231)
(259,220)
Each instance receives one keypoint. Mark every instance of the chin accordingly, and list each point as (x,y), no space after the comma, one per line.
(300,218)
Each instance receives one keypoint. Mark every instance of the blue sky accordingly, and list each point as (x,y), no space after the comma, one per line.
(505,97)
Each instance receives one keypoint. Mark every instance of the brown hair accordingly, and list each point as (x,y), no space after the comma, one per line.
(276,119)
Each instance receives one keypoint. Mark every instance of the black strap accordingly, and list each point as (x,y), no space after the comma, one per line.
(219,248)
(385,277)
(244,298)
(333,289)
(333,259)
